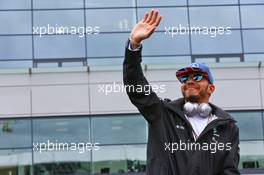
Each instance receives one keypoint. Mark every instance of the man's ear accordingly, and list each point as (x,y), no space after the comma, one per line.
(211,89)
(182,87)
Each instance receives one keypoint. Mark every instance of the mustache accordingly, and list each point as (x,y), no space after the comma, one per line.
(194,98)
(190,84)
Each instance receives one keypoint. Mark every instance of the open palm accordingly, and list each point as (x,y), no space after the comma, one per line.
(145,27)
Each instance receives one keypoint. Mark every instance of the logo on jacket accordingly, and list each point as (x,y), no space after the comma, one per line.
(180,127)
(215,135)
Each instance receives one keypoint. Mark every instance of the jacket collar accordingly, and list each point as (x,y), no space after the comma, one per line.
(177,106)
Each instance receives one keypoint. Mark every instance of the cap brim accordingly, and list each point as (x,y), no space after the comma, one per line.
(188,70)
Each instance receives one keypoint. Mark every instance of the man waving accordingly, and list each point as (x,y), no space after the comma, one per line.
(187,136)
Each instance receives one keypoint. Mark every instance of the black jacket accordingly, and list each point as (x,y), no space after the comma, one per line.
(168,127)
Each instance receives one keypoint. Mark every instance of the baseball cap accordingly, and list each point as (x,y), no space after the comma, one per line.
(195,67)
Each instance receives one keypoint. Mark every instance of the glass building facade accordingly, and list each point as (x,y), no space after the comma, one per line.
(116,144)
(106,144)
(36,33)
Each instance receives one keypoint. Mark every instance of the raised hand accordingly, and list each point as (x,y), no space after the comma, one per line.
(144,28)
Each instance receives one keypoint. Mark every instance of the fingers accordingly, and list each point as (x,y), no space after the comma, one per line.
(145,17)
(157,22)
(153,20)
(155,25)
(150,16)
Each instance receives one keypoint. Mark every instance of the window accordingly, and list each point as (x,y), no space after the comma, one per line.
(162,43)
(224,43)
(160,3)
(111,20)
(225,16)
(121,144)
(58,130)
(15,4)
(52,20)
(250,125)
(16,161)
(62,162)
(251,154)
(119,130)
(47,4)
(16,47)
(253,40)
(120,159)
(15,133)
(106,45)
(249,15)
(59,46)
(251,1)
(212,2)
(171,17)
(167,60)
(109,3)
(15,22)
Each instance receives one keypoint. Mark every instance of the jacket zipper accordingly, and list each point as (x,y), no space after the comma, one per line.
(216,122)
(190,126)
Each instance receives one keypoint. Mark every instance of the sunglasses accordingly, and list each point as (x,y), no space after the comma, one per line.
(196,77)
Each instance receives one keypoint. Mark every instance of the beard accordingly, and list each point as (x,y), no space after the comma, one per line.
(195,98)
(191,98)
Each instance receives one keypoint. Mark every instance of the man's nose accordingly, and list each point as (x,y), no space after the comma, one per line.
(190,81)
